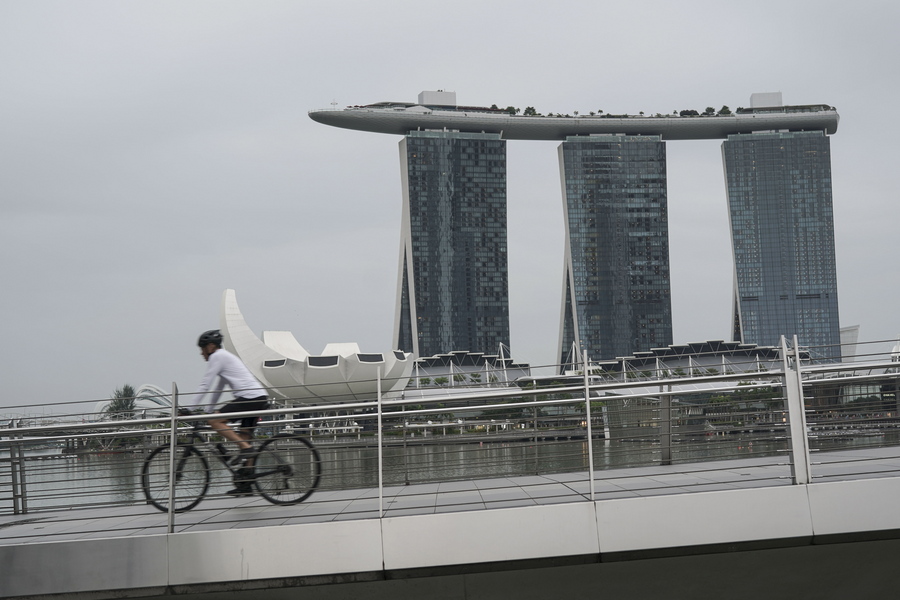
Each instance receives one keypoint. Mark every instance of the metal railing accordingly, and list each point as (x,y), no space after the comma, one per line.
(595,434)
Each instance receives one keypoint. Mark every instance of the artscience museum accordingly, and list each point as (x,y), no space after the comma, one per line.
(341,373)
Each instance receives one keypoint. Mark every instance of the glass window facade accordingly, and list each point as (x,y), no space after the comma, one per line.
(454,291)
(782,233)
(616,292)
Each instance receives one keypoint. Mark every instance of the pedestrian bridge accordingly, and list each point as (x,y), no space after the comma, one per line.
(647,530)
(791,507)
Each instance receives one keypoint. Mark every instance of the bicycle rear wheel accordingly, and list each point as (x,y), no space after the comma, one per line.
(287,469)
(191,478)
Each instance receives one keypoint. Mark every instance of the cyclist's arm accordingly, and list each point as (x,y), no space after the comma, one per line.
(213,372)
(214,396)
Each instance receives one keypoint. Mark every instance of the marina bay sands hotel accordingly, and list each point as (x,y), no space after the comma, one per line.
(616,301)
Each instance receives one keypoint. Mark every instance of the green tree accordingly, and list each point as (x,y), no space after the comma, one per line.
(122,403)
(724,110)
(529,112)
(710,111)
(475,377)
(441,381)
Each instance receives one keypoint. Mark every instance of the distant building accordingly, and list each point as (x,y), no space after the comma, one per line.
(849,341)
(616,289)
(467,369)
(292,375)
(782,232)
(453,289)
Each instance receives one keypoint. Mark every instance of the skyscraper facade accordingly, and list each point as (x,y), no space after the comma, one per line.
(616,289)
(453,285)
(782,232)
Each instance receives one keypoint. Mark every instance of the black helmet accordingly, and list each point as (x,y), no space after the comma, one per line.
(213,336)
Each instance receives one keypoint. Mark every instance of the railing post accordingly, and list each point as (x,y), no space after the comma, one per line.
(665,426)
(380,452)
(173,445)
(793,388)
(17,472)
(587,410)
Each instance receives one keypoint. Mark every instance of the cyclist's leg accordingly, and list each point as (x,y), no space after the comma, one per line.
(222,428)
(248,426)
(246,434)
(242,438)
(243,476)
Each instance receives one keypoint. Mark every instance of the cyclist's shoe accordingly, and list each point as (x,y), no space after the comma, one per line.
(243,477)
(243,482)
(241,490)
(242,456)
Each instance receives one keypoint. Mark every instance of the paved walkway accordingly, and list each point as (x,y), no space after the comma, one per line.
(218,512)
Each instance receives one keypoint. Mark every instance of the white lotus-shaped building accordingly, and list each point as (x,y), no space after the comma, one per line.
(342,373)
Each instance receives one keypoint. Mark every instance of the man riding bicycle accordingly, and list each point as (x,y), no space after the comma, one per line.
(247,390)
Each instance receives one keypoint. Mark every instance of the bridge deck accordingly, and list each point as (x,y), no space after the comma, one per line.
(221,513)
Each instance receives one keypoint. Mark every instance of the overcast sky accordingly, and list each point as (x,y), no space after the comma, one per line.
(153,154)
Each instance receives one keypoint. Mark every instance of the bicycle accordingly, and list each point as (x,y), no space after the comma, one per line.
(286,470)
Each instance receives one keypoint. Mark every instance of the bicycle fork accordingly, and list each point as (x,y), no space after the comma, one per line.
(182,459)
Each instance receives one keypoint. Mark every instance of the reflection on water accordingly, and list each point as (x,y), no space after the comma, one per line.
(53,481)
(358,467)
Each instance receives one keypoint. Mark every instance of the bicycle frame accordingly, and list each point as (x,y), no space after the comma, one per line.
(199,442)
(202,445)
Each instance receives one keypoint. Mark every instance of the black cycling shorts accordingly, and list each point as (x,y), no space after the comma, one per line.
(246,405)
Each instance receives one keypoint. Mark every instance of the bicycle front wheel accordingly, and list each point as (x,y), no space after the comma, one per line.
(287,469)
(191,478)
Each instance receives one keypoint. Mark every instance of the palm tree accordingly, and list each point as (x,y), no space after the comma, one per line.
(122,403)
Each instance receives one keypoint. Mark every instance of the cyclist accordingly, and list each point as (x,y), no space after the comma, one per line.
(247,390)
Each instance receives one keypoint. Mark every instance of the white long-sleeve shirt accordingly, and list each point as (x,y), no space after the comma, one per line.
(229,370)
